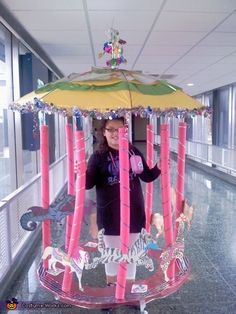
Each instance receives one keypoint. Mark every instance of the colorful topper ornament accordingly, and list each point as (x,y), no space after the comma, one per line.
(114,48)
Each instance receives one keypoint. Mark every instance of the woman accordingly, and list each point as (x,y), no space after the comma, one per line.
(103,173)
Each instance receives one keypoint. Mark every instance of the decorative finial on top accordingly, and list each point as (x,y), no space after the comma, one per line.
(114,47)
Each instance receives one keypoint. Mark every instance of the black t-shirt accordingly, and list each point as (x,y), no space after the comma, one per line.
(103,172)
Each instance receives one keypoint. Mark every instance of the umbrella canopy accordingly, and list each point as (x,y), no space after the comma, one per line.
(104,90)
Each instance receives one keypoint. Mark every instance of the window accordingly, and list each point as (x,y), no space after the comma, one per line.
(220,122)
(32,71)
(6,97)
(233,117)
(199,126)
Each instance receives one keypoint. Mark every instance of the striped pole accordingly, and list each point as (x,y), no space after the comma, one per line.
(149,185)
(45,199)
(180,172)
(71,178)
(79,206)
(165,184)
(124,209)
(165,191)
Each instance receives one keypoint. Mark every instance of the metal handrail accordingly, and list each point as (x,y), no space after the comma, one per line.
(12,196)
(13,238)
(208,158)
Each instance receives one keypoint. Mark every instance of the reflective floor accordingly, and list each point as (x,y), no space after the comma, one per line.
(210,246)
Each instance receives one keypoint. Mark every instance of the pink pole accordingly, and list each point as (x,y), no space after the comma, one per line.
(124,209)
(149,185)
(165,183)
(44,158)
(165,187)
(79,206)
(180,171)
(71,178)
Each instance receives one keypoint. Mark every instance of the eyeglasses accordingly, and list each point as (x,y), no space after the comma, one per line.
(111,130)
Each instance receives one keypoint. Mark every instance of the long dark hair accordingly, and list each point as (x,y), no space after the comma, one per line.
(102,145)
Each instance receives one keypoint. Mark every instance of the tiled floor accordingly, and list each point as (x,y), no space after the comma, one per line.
(210,246)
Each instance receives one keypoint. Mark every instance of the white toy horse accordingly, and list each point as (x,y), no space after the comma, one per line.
(76,263)
(137,253)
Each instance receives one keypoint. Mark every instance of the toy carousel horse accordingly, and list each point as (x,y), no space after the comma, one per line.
(137,253)
(76,263)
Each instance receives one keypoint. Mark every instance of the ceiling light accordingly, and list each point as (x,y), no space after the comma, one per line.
(190,84)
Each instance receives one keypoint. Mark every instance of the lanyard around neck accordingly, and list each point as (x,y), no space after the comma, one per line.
(112,159)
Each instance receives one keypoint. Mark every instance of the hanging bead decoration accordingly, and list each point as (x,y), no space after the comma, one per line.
(114,47)
(35,125)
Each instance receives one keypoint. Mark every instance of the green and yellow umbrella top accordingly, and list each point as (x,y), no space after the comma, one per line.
(104,92)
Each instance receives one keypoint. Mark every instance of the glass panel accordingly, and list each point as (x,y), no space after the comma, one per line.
(30,143)
(208,101)
(171,124)
(29,121)
(189,131)
(33,73)
(220,123)
(50,120)
(5,99)
(57,152)
(158,125)
(234,116)
(224,117)
(62,135)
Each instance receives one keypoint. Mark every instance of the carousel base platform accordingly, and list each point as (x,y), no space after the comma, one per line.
(138,293)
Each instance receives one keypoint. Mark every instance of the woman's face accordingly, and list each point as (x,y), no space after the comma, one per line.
(111,133)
